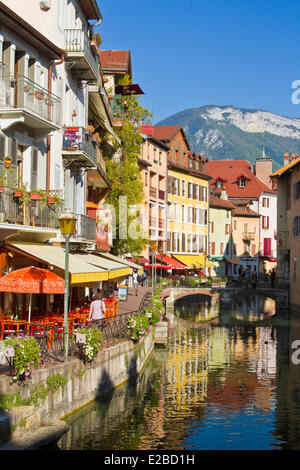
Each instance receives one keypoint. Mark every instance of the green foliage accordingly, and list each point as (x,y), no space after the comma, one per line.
(55,381)
(125,174)
(94,341)
(27,355)
(138,326)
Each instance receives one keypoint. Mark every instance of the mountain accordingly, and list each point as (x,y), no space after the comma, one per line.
(228,132)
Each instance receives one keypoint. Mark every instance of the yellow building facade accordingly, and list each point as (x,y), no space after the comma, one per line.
(188,193)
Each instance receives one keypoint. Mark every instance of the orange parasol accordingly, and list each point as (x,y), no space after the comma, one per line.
(32,280)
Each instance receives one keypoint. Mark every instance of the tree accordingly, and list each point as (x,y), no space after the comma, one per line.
(125,174)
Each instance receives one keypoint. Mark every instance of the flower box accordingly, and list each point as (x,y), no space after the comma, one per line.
(52,200)
(35,196)
(38,95)
(1,189)
(18,193)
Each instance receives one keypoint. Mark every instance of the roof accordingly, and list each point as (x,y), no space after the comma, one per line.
(285,168)
(230,171)
(220,202)
(239,211)
(165,132)
(117,61)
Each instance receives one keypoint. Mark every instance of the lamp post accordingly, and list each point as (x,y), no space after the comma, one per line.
(161,252)
(153,246)
(67,222)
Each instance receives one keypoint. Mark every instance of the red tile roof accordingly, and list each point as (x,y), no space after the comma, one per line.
(230,171)
(165,132)
(220,202)
(116,60)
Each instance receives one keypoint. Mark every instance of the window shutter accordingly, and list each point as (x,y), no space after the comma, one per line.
(34,164)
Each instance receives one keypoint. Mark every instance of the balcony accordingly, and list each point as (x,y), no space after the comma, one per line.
(268,253)
(248,236)
(80,58)
(78,146)
(152,221)
(153,191)
(23,101)
(117,107)
(16,209)
(85,227)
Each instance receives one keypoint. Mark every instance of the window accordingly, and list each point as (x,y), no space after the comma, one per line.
(213,248)
(265,202)
(296,190)
(253,249)
(190,215)
(265,222)
(212,227)
(221,249)
(234,225)
(183,242)
(183,213)
(296,226)
(190,190)
(183,190)
(242,182)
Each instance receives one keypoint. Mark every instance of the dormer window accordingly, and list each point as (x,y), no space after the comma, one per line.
(242,181)
(219,183)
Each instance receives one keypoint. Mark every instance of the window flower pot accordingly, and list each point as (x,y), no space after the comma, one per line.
(7,162)
(18,193)
(39,96)
(35,196)
(52,200)
(1,189)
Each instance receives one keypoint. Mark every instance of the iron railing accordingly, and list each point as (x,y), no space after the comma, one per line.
(14,209)
(51,337)
(85,227)
(77,40)
(77,138)
(23,93)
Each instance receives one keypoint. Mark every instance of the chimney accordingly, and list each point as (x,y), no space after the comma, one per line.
(294,157)
(147,128)
(286,159)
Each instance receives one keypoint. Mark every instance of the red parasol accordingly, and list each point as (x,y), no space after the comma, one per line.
(32,280)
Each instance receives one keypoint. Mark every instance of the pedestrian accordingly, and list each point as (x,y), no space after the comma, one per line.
(135,281)
(144,276)
(97,309)
(254,278)
(273,276)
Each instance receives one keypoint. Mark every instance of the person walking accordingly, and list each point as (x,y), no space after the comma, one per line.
(97,309)
(135,281)
(273,276)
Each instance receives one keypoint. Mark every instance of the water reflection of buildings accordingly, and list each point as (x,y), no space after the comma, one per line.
(249,307)
(197,308)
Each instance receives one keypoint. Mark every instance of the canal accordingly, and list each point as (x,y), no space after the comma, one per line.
(225,380)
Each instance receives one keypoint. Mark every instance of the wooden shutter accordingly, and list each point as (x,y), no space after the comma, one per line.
(34,165)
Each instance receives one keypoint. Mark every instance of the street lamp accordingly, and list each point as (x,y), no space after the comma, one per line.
(67,222)
(161,252)
(153,246)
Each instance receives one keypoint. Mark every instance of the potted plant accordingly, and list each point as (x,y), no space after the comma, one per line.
(7,162)
(55,200)
(39,95)
(35,195)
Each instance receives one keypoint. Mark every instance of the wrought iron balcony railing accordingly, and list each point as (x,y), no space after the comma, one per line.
(249,236)
(21,93)
(78,44)
(85,227)
(22,209)
(77,139)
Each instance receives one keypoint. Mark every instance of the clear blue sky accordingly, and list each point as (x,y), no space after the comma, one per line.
(190,53)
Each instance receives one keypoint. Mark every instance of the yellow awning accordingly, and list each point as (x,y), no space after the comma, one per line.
(81,271)
(114,269)
(122,261)
(194,261)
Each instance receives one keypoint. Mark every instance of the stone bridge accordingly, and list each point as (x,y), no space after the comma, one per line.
(223,293)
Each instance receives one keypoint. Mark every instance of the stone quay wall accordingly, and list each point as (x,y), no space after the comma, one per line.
(56,391)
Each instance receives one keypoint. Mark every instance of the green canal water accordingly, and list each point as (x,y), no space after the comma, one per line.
(226,380)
